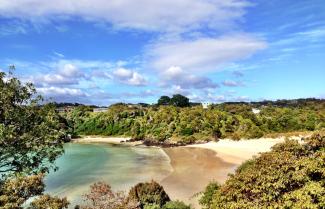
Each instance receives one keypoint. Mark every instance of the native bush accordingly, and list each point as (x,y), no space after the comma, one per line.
(292,175)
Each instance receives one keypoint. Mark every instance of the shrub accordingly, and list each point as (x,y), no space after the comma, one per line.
(46,201)
(291,175)
(150,193)
(176,205)
(102,196)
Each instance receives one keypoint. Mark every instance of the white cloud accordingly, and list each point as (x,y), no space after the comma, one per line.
(54,79)
(173,72)
(70,70)
(313,34)
(176,89)
(231,83)
(58,54)
(294,41)
(67,74)
(123,73)
(58,91)
(129,77)
(241,99)
(203,54)
(217,98)
(175,75)
(13,27)
(64,94)
(154,15)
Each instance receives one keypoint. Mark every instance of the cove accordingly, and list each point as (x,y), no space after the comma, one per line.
(120,166)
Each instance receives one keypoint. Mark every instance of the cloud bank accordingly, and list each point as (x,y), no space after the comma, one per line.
(166,15)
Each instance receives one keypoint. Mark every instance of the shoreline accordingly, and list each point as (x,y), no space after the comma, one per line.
(193,169)
(230,151)
(195,166)
(106,139)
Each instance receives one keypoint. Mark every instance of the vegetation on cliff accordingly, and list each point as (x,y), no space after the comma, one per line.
(169,123)
(292,175)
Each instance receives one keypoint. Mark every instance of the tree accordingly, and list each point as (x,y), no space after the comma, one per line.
(46,202)
(101,196)
(15,191)
(30,140)
(179,100)
(164,100)
(30,135)
(150,193)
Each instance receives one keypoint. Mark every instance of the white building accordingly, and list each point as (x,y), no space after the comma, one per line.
(256,111)
(205,105)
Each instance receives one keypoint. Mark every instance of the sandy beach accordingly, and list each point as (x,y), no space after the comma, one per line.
(237,152)
(193,169)
(197,165)
(103,139)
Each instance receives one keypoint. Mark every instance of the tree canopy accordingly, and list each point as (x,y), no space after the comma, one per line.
(149,193)
(167,124)
(177,100)
(31,138)
(164,100)
(30,135)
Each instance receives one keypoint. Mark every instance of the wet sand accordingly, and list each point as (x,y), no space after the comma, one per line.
(193,168)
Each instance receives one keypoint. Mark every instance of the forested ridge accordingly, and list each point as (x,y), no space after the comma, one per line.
(169,123)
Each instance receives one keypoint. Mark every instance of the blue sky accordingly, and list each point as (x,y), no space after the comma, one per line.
(103,52)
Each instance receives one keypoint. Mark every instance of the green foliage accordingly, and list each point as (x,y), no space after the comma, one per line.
(190,124)
(150,193)
(15,191)
(46,201)
(207,195)
(176,205)
(179,100)
(292,175)
(30,136)
(164,100)
(152,206)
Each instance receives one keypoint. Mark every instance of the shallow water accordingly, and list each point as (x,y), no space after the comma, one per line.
(120,166)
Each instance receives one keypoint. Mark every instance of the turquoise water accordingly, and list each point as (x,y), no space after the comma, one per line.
(120,166)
